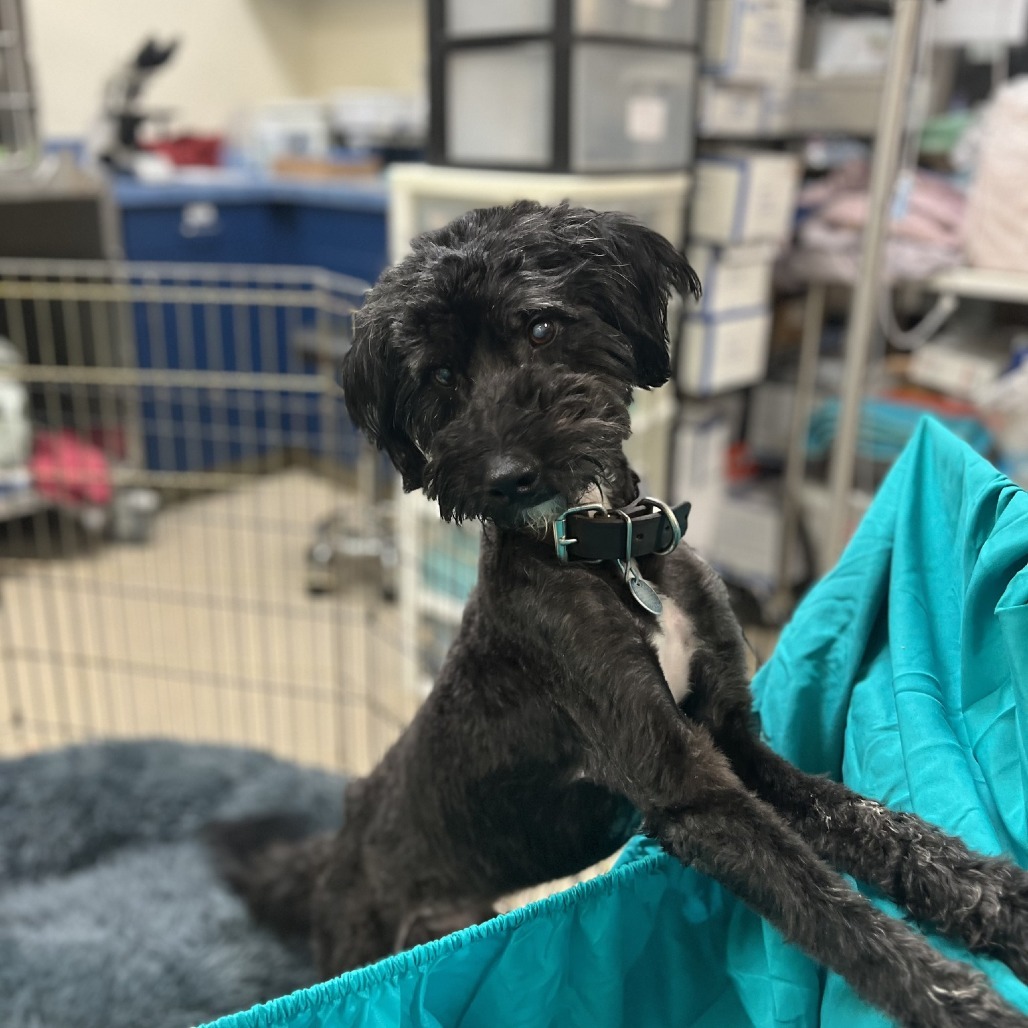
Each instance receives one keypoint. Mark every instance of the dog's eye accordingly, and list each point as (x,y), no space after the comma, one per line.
(542,331)
(444,376)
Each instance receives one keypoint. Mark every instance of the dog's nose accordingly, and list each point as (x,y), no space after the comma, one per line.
(512,478)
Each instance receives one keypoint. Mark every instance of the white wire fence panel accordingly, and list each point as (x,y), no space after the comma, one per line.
(199,546)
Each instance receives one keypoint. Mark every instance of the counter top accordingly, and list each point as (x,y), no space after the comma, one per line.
(226,186)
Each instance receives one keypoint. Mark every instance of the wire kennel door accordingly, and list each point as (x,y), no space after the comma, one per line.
(199,546)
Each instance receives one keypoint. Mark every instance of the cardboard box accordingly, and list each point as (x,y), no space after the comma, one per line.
(805,105)
(734,278)
(700,470)
(839,104)
(744,196)
(730,109)
(955,367)
(852,46)
(723,352)
(752,40)
(747,544)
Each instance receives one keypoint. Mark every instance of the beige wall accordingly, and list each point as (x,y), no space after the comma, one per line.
(368,43)
(233,54)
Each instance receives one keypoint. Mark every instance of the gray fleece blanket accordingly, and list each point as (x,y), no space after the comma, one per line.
(111,913)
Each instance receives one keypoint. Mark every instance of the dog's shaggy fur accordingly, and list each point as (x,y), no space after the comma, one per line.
(496,364)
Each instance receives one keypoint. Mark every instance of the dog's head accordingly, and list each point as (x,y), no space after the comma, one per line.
(495,363)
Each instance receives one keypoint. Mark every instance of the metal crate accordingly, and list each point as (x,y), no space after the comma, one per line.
(209,554)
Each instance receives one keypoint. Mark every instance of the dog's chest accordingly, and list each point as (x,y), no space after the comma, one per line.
(675,642)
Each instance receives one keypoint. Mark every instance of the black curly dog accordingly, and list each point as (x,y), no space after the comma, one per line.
(496,364)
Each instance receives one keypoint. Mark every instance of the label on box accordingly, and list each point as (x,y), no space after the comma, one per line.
(646,119)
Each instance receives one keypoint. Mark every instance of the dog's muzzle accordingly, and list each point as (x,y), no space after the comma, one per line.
(516,481)
(528,444)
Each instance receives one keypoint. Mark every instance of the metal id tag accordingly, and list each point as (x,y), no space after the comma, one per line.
(644,593)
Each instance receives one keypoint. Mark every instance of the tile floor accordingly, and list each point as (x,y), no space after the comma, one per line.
(206,632)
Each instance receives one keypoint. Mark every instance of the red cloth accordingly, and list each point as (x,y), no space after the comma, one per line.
(184,151)
(69,471)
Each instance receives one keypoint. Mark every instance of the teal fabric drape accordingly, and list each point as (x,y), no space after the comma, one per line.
(904,672)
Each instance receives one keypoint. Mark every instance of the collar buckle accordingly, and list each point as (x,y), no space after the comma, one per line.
(561,541)
(621,533)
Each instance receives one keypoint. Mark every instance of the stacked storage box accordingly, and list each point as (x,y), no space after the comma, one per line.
(742,213)
(563,85)
(750,88)
(750,49)
(744,199)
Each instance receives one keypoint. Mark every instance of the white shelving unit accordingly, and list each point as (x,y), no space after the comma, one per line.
(889,133)
(822,502)
(980,284)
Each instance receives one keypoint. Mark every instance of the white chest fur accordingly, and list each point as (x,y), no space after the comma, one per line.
(675,642)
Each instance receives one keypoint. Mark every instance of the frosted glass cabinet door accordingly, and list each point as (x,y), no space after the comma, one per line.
(499,106)
(632,108)
(465,18)
(670,21)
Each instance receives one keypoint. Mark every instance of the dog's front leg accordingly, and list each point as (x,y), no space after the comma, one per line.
(639,743)
(982,901)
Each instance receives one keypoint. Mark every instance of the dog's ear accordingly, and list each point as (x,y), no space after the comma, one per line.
(636,270)
(369,379)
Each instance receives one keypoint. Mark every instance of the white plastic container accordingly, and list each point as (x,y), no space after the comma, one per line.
(424,197)
(734,278)
(752,40)
(665,20)
(723,352)
(745,196)
(631,107)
